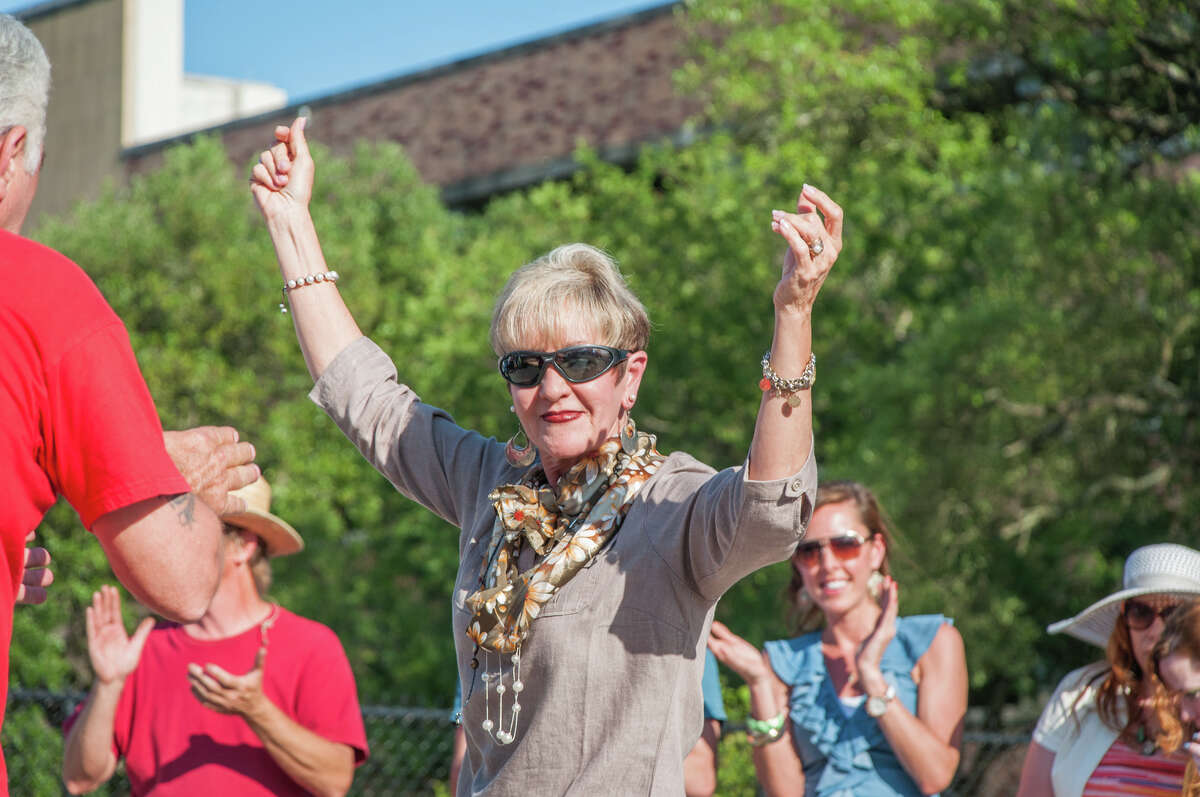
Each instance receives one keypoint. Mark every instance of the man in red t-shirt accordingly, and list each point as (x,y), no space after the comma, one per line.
(290,725)
(76,418)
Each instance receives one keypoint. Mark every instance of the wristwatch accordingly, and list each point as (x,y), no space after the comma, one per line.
(877,705)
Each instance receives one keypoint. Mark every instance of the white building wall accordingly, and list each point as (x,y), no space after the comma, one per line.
(160,101)
(209,101)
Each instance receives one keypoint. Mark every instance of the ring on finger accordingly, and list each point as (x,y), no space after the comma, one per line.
(816,247)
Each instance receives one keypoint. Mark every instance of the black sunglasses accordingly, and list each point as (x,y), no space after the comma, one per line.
(575,363)
(1140,616)
(845,547)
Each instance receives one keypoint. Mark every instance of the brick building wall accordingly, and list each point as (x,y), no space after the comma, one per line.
(503,119)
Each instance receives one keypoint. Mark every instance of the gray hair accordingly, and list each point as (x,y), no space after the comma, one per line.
(24,86)
(573,283)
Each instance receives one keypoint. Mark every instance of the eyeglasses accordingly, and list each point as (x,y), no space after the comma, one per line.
(575,363)
(1140,616)
(845,547)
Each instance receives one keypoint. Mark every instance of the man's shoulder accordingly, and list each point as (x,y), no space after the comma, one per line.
(35,260)
(43,282)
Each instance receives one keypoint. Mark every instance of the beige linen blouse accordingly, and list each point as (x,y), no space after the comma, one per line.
(612,666)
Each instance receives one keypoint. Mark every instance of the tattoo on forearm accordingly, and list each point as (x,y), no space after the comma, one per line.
(185,508)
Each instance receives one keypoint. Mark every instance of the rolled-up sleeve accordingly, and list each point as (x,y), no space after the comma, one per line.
(418,448)
(726,525)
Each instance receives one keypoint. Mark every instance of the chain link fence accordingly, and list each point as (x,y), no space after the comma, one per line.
(411,750)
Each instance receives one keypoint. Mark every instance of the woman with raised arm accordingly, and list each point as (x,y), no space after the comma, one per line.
(864,702)
(590,563)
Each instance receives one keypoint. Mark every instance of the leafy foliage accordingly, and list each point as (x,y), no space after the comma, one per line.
(1007,348)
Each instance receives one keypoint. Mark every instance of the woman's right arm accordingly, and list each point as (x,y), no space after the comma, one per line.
(1035,774)
(1057,731)
(776,762)
(282,186)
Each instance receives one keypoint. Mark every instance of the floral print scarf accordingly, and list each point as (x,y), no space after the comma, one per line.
(566,528)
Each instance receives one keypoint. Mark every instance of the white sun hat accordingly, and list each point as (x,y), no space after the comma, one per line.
(1162,569)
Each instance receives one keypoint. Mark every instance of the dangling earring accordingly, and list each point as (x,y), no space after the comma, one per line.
(519,452)
(875,584)
(629,436)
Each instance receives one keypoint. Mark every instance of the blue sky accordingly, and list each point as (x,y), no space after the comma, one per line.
(312,47)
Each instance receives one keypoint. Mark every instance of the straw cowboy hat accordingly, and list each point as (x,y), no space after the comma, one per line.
(1163,569)
(277,534)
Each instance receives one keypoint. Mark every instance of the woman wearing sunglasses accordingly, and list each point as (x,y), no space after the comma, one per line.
(1097,735)
(863,702)
(580,649)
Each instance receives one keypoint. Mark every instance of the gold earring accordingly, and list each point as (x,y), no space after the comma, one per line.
(519,452)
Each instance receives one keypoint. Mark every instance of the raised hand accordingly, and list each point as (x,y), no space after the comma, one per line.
(114,653)
(214,463)
(282,180)
(36,575)
(814,237)
(870,653)
(736,653)
(226,693)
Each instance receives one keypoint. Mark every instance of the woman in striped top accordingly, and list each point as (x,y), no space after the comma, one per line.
(1098,735)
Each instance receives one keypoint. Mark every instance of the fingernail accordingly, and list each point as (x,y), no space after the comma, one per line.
(776,214)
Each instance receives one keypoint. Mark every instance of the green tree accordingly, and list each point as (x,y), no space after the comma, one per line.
(1007,348)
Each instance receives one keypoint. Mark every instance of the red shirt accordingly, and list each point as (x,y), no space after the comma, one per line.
(76,418)
(173,745)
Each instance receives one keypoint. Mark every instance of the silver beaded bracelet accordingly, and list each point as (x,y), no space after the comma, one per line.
(306,280)
(788,388)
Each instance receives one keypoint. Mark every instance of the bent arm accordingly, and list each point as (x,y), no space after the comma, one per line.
(316,763)
(166,551)
(88,758)
(928,744)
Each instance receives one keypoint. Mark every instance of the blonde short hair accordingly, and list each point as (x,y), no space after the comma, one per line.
(260,566)
(574,282)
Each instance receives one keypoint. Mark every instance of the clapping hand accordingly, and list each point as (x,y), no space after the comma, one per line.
(114,653)
(227,693)
(736,653)
(37,574)
(870,653)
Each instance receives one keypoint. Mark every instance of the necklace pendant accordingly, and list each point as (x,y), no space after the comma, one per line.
(1149,747)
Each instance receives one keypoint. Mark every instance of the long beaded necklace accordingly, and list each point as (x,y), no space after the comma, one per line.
(561,549)
(501,735)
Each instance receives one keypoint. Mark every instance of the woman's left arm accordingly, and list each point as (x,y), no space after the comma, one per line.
(783,433)
(928,744)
